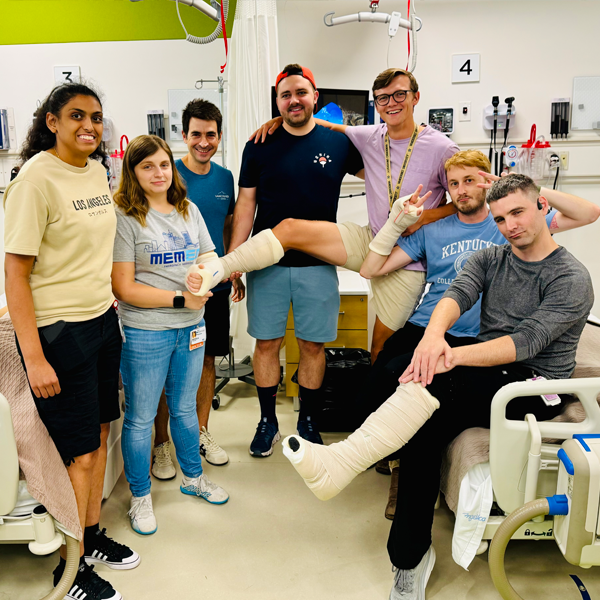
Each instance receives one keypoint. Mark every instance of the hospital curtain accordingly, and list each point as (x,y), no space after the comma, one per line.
(253,67)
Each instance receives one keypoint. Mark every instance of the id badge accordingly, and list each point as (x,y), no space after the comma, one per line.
(197,337)
(549,399)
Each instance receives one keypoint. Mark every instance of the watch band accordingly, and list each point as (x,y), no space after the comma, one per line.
(178,300)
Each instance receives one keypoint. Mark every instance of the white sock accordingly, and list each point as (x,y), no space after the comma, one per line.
(327,470)
(387,237)
(260,251)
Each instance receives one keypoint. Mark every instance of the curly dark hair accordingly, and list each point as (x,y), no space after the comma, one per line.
(40,138)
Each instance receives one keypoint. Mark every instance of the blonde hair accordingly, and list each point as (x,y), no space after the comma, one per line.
(131,197)
(386,77)
(469,158)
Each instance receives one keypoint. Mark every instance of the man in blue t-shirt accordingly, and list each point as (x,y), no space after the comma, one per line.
(446,245)
(210,188)
(297,173)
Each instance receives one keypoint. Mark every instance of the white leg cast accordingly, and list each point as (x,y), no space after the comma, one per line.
(387,237)
(327,470)
(259,252)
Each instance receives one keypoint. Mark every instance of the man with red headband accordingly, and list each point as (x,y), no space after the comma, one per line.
(399,155)
(297,173)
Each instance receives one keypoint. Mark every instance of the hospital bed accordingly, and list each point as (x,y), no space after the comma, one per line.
(521,458)
(23,520)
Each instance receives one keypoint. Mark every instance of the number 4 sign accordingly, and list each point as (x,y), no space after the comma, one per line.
(66,75)
(465,68)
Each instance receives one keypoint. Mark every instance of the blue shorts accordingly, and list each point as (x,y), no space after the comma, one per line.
(313,293)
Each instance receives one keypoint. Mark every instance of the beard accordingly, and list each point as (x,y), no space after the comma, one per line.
(297,122)
(472,207)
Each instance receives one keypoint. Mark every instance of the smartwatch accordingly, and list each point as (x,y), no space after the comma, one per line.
(178,300)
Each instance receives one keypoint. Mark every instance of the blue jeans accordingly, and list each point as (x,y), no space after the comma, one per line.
(150,361)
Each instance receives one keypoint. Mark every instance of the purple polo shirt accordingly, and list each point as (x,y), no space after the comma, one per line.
(432,149)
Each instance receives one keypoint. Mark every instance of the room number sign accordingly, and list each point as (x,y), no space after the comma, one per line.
(465,68)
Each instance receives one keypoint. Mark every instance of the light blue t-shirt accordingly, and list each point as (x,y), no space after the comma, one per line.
(447,244)
(214,195)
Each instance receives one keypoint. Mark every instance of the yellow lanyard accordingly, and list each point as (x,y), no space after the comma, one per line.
(394,195)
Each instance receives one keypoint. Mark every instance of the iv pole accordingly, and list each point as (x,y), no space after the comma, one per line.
(220,81)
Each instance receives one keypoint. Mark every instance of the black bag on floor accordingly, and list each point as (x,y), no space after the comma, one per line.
(347,369)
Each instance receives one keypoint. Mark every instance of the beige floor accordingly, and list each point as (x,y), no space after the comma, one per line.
(274,540)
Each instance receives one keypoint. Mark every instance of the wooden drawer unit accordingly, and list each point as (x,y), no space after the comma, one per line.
(352,333)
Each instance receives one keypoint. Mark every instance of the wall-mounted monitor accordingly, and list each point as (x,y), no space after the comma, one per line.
(347,107)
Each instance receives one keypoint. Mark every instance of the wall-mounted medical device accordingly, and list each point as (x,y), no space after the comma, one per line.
(559,118)
(8,136)
(394,21)
(442,119)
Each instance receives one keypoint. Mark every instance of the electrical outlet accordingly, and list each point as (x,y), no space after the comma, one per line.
(464,112)
(564,161)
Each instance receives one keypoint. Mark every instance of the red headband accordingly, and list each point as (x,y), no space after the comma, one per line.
(303,72)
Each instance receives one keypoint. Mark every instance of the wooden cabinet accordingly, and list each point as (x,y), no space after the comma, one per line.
(352,330)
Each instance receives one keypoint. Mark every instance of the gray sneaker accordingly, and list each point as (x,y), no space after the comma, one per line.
(410,584)
(162,464)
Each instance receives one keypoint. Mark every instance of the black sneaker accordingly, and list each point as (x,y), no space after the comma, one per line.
(266,436)
(104,550)
(308,431)
(88,585)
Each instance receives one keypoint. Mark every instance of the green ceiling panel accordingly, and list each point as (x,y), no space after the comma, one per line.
(60,21)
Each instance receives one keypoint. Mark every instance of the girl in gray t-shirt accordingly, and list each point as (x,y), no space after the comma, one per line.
(159,235)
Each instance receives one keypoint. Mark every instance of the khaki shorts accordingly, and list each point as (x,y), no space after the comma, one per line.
(396,294)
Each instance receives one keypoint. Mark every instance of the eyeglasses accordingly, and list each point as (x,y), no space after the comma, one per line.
(384,99)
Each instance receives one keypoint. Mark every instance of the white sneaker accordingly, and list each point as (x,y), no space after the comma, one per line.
(142,515)
(162,465)
(212,452)
(204,488)
(410,584)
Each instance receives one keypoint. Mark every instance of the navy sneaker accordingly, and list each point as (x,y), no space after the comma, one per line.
(266,436)
(308,431)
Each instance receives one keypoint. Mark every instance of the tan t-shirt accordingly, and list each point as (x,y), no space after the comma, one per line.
(64,216)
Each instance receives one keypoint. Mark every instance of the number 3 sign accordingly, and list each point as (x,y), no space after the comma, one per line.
(67,75)
(465,68)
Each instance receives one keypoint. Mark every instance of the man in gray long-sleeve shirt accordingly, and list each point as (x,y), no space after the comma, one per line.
(535,301)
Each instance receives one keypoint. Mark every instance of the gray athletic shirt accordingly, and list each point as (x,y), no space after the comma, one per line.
(542,306)
(162,251)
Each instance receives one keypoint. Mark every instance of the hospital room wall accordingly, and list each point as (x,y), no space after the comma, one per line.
(133,77)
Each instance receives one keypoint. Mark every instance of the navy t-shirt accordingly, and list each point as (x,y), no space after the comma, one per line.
(214,195)
(298,177)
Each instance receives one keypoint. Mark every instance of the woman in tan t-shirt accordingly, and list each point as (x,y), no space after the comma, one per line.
(59,230)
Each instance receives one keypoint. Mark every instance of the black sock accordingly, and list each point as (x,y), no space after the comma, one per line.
(89,533)
(310,403)
(60,569)
(267,398)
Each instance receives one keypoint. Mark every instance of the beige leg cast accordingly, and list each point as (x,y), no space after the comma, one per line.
(327,470)
(260,251)
(387,237)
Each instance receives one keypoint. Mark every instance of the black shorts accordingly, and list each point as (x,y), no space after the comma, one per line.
(85,356)
(216,317)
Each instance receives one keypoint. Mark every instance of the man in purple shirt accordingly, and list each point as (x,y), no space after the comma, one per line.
(417,154)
